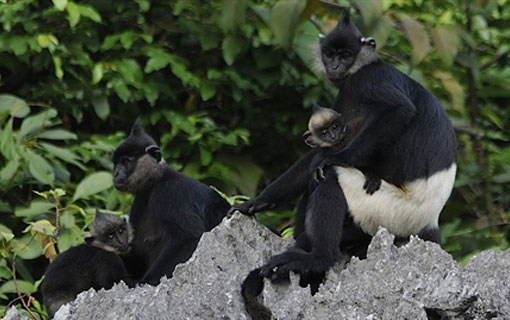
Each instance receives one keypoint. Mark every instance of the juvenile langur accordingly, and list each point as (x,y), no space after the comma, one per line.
(170,210)
(93,264)
(398,131)
(326,130)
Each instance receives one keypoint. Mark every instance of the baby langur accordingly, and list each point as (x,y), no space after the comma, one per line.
(326,130)
(94,264)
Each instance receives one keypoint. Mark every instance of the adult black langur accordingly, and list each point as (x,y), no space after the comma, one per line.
(397,130)
(170,210)
(93,264)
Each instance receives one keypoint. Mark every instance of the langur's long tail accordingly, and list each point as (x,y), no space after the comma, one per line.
(250,289)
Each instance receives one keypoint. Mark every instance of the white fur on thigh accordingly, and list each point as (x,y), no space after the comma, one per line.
(401,212)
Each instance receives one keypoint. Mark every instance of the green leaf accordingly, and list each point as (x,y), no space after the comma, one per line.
(67,220)
(122,90)
(43,227)
(179,69)
(446,42)
(158,60)
(454,89)
(370,11)
(89,12)
(62,153)
(9,170)
(144,5)
(232,14)
(36,207)
(57,62)
(207,90)
(493,117)
(130,71)
(101,106)
(417,35)
(7,142)
(39,168)
(57,134)
(5,273)
(6,233)
(284,19)
(23,286)
(231,47)
(93,184)
(127,39)
(205,156)
(97,73)
(209,40)
(382,30)
(46,40)
(15,106)
(36,122)
(26,247)
(76,11)
(213,74)
(60,4)
(305,41)
(501,178)
(73,14)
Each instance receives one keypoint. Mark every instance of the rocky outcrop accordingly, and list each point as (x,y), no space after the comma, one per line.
(416,281)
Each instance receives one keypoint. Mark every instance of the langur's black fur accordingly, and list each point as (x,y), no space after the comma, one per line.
(94,264)
(250,289)
(170,210)
(397,130)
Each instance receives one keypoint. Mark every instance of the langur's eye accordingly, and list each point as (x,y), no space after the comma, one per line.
(121,230)
(334,126)
(328,55)
(126,159)
(345,55)
(324,132)
(110,236)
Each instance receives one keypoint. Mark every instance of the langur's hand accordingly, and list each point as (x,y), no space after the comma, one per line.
(319,171)
(250,207)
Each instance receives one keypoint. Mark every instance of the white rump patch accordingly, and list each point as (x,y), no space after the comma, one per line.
(403,211)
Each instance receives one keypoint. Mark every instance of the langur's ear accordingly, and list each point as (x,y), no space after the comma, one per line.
(154,151)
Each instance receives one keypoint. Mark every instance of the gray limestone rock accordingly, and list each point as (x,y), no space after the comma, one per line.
(415,281)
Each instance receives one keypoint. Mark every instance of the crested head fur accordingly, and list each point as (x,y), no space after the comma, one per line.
(343,51)
(136,142)
(320,117)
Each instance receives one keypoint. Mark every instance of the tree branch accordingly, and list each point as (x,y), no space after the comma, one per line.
(474,115)
(20,297)
(494,60)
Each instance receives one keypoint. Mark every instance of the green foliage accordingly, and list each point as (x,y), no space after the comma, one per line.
(226,88)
